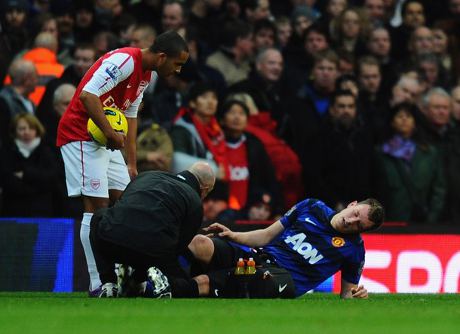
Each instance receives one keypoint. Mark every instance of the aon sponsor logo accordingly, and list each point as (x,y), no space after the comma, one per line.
(303,248)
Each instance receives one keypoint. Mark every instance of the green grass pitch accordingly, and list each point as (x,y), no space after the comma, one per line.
(315,313)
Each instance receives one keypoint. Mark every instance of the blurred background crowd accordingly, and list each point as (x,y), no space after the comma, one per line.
(286,99)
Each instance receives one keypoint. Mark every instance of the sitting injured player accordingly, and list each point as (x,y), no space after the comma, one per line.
(294,255)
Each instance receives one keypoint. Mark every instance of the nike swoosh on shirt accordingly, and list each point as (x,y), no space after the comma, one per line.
(216,292)
(129,86)
(281,288)
(310,221)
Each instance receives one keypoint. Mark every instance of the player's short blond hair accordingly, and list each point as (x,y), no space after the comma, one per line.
(376,212)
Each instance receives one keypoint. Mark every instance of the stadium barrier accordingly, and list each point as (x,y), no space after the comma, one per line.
(40,254)
(37,254)
(404,263)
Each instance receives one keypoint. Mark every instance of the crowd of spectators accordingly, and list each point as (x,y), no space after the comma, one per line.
(334,99)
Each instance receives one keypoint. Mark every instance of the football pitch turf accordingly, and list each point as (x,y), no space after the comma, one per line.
(315,313)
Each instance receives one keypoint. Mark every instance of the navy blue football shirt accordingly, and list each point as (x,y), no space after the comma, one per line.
(312,250)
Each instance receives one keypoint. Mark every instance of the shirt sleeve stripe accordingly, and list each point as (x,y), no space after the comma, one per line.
(103,85)
(124,62)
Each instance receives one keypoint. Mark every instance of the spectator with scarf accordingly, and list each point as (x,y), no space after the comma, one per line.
(409,171)
(249,164)
(196,134)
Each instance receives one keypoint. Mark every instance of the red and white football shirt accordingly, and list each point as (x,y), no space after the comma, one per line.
(119,81)
(239,173)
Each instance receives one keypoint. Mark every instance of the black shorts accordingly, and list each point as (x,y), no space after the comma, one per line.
(270,280)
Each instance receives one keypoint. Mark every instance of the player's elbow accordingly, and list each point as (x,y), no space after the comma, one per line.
(83,96)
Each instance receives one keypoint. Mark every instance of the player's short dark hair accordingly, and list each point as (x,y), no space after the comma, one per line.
(170,43)
(376,213)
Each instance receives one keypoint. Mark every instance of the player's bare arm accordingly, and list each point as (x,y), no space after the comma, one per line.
(131,147)
(256,238)
(95,111)
(350,290)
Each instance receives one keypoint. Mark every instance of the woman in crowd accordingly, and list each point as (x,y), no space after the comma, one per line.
(409,173)
(441,48)
(333,8)
(350,30)
(28,171)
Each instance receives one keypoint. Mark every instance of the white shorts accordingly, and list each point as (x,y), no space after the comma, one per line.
(92,170)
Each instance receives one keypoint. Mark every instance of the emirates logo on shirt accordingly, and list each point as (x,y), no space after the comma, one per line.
(141,87)
(126,104)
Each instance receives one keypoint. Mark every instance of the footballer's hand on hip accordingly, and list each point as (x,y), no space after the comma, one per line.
(359,292)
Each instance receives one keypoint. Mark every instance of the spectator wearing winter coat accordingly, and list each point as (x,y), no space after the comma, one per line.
(196,134)
(344,151)
(28,171)
(409,172)
(237,47)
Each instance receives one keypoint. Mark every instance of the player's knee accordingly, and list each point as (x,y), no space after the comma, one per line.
(92,204)
(202,248)
(114,195)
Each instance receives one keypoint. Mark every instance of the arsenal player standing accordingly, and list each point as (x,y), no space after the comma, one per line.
(117,79)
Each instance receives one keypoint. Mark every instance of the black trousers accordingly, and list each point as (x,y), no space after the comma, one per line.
(107,254)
